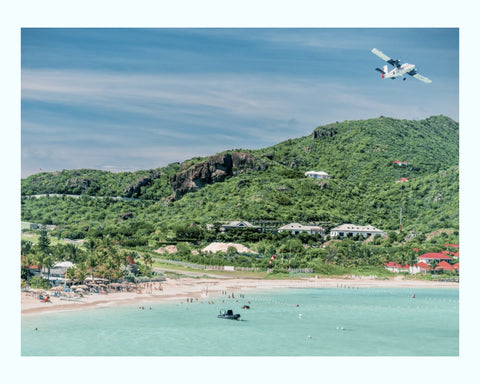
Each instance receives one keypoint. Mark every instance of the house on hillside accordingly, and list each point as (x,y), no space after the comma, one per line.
(423,267)
(317,175)
(399,268)
(450,248)
(296,228)
(443,265)
(237,225)
(452,245)
(345,230)
(436,256)
(34,270)
(395,267)
(57,272)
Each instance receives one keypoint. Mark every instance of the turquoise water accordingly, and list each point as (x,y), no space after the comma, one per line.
(326,322)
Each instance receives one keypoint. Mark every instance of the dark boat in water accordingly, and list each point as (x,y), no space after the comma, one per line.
(228,314)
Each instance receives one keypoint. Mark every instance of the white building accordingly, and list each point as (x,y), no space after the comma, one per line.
(57,272)
(296,228)
(317,175)
(345,230)
(237,225)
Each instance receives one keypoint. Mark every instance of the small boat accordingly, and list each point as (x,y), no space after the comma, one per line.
(228,314)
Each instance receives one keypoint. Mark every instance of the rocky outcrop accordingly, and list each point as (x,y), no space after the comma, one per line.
(327,131)
(133,190)
(191,178)
(81,183)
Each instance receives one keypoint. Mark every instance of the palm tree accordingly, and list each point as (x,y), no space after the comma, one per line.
(70,273)
(91,262)
(26,246)
(148,260)
(412,260)
(80,273)
(44,241)
(72,251)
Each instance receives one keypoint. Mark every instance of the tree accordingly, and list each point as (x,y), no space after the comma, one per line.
(73,252)
(148,260)
(92,262)
(26,246)
(231,251)
(44,241)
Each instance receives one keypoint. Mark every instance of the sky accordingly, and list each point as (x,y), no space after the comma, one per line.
(123,99)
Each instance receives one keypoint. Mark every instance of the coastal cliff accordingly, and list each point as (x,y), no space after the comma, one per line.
(192,177)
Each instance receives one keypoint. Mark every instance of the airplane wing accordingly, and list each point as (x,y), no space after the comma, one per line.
(422,78)
(389,60)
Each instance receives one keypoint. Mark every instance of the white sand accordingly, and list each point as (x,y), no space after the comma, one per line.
(181,289)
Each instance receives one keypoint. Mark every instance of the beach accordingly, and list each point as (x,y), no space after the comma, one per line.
(180,289)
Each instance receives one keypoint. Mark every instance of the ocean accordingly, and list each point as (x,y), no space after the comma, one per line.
(287,322)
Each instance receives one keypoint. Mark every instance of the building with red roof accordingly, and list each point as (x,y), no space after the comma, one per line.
(393,266)
(445,266)
(398,268)
(437,256)
(423,266)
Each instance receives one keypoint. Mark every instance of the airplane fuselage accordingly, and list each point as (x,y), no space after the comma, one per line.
(400,71)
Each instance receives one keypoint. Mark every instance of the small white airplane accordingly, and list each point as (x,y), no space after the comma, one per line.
(398,70)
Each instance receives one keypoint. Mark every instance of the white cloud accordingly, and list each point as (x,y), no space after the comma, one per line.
(244,96)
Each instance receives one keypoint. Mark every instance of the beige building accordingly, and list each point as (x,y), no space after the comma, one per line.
(237,225)
(296,228)
(345,230)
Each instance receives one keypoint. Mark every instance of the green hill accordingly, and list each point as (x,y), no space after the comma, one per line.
(269,184)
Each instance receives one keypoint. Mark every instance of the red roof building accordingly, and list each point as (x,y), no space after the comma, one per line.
(445,266)
(396,267)
(437,256)
(423,266)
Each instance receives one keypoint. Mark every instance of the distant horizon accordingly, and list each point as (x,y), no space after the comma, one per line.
(126,99)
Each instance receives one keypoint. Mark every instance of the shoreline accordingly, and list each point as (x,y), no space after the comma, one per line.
(186,288)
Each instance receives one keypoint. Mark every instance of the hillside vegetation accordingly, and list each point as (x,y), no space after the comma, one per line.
(269,188)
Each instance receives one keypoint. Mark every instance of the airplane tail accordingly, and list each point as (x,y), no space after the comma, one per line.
(383,71)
